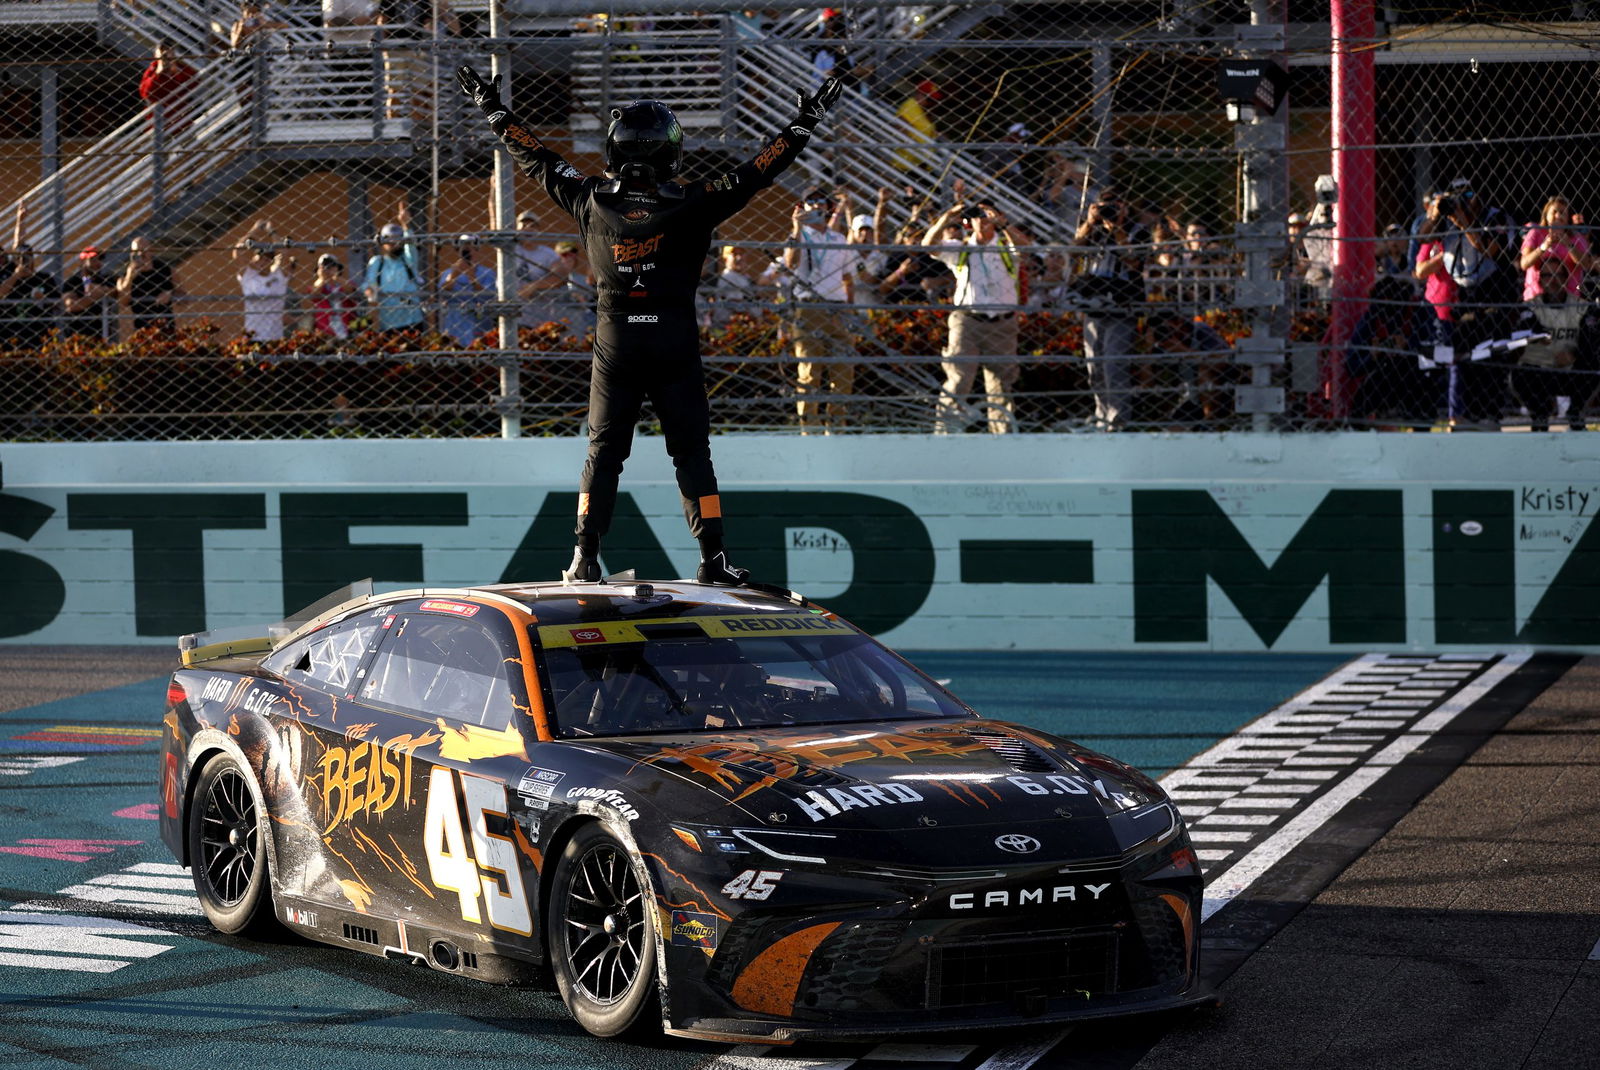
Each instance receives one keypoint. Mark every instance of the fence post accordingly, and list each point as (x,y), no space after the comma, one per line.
(1355,230)
(1262,144)
(510,401)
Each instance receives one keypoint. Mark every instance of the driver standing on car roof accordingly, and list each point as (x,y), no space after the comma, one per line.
(647,239)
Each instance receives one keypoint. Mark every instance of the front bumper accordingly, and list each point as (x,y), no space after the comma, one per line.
(896,969)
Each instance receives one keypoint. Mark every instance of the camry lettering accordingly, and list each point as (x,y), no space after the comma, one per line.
(1002,897)
(821,804)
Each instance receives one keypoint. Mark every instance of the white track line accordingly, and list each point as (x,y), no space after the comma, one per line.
(1227,886)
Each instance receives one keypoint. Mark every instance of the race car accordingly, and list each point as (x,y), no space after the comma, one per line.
(718,811)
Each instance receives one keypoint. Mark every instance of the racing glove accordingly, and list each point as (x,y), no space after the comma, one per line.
(813,106)
(485,95)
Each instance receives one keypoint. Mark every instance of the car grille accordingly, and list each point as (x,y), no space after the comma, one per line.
(847,971)
(987,970)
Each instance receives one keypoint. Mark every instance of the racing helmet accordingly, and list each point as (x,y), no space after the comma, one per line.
(645,133)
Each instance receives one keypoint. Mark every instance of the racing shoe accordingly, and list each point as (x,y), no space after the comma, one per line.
(584,568)
(715,569)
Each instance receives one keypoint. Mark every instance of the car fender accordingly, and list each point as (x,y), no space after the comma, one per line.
(205,744)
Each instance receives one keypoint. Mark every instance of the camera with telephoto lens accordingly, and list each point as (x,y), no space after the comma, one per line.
(1448,205)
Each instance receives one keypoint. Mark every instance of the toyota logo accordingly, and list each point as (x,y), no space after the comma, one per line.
(1017,844)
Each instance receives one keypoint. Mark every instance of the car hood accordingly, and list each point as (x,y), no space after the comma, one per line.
(902,775)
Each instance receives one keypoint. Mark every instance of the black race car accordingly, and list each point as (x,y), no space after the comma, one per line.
(722,811)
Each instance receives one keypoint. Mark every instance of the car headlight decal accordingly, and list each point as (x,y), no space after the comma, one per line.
(750,838)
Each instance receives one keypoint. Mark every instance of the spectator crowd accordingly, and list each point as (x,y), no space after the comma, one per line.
(930,293)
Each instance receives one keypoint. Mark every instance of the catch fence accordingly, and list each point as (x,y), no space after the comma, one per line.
(1226,216)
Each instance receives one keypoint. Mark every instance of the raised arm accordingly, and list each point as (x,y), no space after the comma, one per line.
(536,159)
(732,190)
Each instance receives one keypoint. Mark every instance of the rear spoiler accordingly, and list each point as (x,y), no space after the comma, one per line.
(249,640)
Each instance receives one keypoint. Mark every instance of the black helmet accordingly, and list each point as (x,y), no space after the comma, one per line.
(645,132)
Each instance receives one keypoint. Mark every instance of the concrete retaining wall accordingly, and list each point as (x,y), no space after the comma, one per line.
(1237,542)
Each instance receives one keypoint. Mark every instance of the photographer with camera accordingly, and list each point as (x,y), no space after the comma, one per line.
(1108,286)
(820,260)
(989,290)
(1474,250)
(468,287)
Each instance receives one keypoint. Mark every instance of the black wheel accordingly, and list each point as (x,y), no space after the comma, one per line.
(603,936)
(228,849)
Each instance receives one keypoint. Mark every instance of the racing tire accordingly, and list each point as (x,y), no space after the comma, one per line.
(602,936)
(227,837)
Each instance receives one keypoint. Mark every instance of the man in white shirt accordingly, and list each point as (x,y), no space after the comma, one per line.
(820,261)
(264,281)
(988,271)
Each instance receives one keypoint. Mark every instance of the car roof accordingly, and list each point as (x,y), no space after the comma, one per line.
(556,602)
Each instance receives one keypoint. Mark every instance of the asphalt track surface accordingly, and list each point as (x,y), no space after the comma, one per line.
(1402,852)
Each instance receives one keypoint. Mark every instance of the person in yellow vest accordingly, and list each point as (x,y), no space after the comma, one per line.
(990,288)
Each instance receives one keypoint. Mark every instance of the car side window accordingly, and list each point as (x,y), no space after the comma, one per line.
(441,667)
(326,658)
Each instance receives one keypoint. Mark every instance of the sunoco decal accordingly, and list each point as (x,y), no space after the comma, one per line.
(690,929)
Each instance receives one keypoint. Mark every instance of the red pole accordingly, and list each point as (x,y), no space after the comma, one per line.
(1355,233)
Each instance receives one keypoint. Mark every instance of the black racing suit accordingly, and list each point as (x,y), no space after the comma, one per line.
(647,248)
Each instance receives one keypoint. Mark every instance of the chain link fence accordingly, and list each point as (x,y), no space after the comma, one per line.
(1217,216)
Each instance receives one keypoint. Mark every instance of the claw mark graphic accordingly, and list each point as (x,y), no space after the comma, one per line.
(233,725)
(403,866)
(357,890)
(709,908)
(408,744)
(359,894)
(298,706)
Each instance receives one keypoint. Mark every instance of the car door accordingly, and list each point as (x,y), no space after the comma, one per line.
(441,682)
(305,786)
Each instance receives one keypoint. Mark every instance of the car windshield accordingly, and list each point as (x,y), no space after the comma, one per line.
(692,674)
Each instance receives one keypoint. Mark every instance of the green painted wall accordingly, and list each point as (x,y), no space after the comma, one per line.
(1238,542)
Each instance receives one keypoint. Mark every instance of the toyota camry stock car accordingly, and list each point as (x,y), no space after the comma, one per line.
(719,811)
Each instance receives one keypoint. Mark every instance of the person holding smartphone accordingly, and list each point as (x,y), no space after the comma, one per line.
(1554,236)
(468,288)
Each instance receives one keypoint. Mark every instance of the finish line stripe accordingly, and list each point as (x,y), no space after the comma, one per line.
(1228,885)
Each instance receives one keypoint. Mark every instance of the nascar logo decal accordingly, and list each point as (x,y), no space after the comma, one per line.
(691,929)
